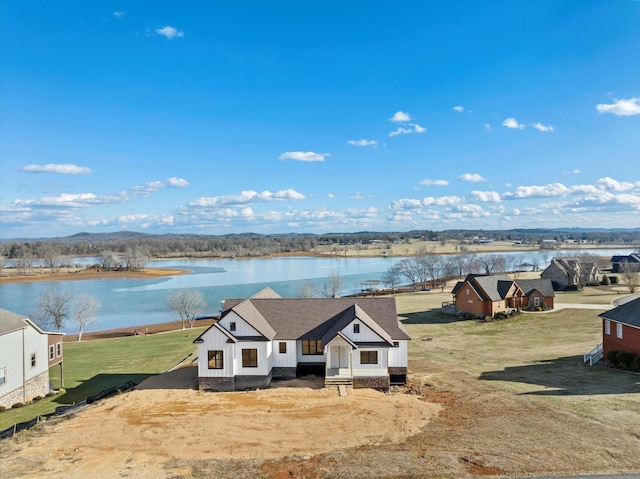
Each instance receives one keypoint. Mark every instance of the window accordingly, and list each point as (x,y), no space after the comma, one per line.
(619,330)
(607,326)
(215,359)
(232,326)
(311,347)
(249,358)
(368,357)
(282,348)
(3,376)
(356,328)
(59,348)
(467,291)
(536,301)
(52,353)
(33,360)
(396,344)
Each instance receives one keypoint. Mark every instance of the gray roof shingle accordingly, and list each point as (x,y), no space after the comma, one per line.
(627,313)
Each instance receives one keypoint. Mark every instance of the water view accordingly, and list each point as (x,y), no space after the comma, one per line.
(135,302)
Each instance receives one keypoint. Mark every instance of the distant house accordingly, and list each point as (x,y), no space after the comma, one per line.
(354,341)
(619,262)
(621,328)
(571,273)
(26,354)
(488,295)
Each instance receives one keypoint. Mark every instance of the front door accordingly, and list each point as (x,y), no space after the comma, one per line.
(339,357)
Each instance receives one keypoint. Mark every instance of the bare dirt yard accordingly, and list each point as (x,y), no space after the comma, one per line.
(506,398)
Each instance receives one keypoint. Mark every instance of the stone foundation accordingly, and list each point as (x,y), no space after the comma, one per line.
(398,375)
(237,383)
(373,382)
(38,386)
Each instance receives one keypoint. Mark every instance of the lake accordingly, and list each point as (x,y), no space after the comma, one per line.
(137,302)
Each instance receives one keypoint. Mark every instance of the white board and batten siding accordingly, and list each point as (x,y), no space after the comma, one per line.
(398,357)
(214,340)
(365,335)
(264,352)
(242,327)
(284,360)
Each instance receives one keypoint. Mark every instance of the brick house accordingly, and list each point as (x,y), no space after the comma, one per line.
(621,328)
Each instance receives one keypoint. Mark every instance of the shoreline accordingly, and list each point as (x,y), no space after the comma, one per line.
(140,330)
(80,274)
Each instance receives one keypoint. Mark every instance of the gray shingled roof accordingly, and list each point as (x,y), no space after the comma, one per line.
(312,318)
(627,313)
(10,321)
(494,287)
(545,286)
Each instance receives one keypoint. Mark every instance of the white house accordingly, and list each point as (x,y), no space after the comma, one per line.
(353,341)
(26,354)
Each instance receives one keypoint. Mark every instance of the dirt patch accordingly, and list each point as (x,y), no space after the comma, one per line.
(143,428)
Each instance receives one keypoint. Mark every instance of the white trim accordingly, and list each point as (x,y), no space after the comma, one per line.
(619,330)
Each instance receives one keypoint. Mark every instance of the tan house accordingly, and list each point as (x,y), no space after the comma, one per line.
(571,273)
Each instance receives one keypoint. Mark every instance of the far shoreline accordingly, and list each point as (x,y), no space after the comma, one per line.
(80,274)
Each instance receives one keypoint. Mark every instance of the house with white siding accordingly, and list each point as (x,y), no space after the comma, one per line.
(26,354)
(353,341)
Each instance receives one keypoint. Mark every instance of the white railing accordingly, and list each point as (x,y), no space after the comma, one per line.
(595,355)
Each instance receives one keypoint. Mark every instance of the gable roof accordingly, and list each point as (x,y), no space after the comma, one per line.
(632,258)
(545,286)
(10,321)
(627,313)
(313,318)
(488,287)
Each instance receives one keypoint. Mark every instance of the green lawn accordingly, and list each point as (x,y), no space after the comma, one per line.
(93,366)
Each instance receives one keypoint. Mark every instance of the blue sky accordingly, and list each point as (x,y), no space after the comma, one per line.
(317,116)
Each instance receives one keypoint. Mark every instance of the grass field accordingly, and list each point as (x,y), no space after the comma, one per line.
(516,400)
(93,366)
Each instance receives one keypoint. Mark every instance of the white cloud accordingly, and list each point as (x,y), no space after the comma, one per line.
(169,32)
(118,14)
(545,191)
(174,182)
(362,142)
(428,182)
(485,196)
(572,172)
(487,127)
(413,128)
(611,184)
(458,108)
(307,156)
(331,196)
(512,123)
(400,116)
(472,177)
(357,196)
(62,168)
(621,107)
(248,196)
(541,127)
(441,200)
(147,189)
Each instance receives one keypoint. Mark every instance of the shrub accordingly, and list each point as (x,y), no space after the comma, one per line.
(614,279)
(469,315)
(50,394)
(612,357)
(605,280)
(17,405)
(3,408)
(37,398)
(625,359)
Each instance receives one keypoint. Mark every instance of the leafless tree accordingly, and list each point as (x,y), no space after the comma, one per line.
(54,307)
(410,270)
(391,277)
(50,256)
(109,261)
(84,312)
(24,261)
(186,304)
(491,263)
(630,274)
(135,259)
(332,288)
(431,264)
(307,290)
(2,263)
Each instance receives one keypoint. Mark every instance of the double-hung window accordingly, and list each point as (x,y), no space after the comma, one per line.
(619,330)
(215,359)
(368,357)
(249,358)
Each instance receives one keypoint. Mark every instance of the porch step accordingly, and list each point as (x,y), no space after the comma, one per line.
(328,382)
(342,390)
